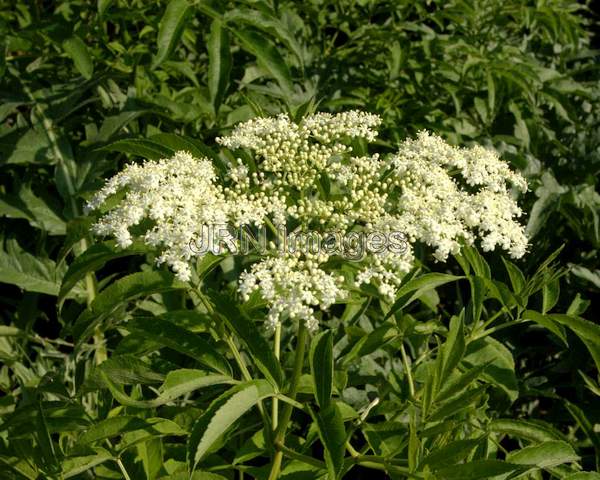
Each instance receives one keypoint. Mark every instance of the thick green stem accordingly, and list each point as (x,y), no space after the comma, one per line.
(277,350)
(287,410)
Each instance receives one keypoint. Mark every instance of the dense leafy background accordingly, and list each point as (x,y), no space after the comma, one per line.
(86,87)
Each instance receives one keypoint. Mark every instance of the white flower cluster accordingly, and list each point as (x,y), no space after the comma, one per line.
(449,195)
(304,175)
(292,287)
(179,196)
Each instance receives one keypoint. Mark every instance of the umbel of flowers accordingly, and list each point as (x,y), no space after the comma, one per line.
(305,177)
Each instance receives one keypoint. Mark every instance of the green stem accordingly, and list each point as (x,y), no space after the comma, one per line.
(123,470)
(287,410)
(277,350)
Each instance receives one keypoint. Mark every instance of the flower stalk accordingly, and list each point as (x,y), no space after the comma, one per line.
(287,410)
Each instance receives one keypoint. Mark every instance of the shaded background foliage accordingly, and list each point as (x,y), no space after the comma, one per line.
(87,86)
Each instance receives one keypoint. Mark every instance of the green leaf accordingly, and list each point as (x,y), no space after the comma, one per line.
(269,24)
(34,209)
(247,331)
(140,147)
(77,50)
(546,322)
(176,15)
(181,340)
(117,426)
(517,279)
(124,370)
(544,455)
(220,416)
(370,342)
(268,56)
(454,347)
(583,476)
(94,258)
(588,332)
(119,292)
(500,365)
(29,272)
(219,63)
(548,194)
(479,469)
(550,294)
(178,382)
(459,383)
(531,430)
(480,266)
(416,287)
(586,425)
(330,425)
(76,465)
(450,453)
(457,404)
(26,146)
(478,289)
(321,367)
(103,6)
(44,441)
(197,475)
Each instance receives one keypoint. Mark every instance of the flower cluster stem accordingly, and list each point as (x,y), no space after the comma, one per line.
(287,410)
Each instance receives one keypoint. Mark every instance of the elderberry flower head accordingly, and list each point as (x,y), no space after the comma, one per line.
(305,176)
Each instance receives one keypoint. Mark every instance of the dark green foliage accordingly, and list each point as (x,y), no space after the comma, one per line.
(482,367)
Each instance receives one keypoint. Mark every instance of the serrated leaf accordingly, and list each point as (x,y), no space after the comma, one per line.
(330,425)
(181,340)
(321,367)
(454,347)
(544,455)
(459,383)
(268,56)
(450,453)
(416,287)
(476,260)
(178,382)
(588,332)
(457,404)
(478,289)
(141,147)
(550,294)
(246,330)
(76,465)
(370,342)
(532,430)
(219,63)
(479,469)
(220,416)
(34,209)
(172,23)
(500,365)
(116,426)
(546,322)
(517,279)
(94,258)
(120,292)
(29,272)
